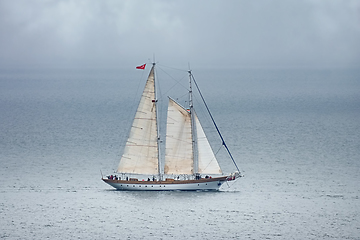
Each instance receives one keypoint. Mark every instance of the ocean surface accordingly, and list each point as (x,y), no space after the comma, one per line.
(295,135)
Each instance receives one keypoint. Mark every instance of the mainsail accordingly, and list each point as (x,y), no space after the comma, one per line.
(179,150)
(141,150)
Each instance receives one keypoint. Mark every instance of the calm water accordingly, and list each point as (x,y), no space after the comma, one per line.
(295,134)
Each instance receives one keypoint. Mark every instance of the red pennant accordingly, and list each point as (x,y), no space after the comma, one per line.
(141,67)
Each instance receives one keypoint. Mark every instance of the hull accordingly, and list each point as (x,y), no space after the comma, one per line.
(205,184)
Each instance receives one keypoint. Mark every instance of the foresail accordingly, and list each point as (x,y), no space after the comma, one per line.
(207,163)
(141,150)
(179,150)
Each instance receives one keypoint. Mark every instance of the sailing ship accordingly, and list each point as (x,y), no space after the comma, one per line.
(190,163)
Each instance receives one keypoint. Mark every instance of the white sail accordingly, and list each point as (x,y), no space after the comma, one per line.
(141,150)
(179,150)
(207,163)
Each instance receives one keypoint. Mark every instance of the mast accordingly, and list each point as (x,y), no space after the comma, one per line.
(196,165)
(157,125)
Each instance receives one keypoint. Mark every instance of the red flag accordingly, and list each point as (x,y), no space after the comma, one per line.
(141,67)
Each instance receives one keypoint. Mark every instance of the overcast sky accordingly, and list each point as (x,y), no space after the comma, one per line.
(114,33)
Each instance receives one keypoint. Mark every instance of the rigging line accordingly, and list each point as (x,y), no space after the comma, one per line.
(159,67)
(205,120)
(213,158)
(218,151)
(177,82)
(178,69)
(182,97)
(217,129)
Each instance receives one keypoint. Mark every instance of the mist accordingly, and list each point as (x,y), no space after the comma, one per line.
(222,34)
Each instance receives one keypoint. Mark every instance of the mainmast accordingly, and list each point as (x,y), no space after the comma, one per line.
(157,126)
(191,107)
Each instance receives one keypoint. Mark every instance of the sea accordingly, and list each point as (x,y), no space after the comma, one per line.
(293,133)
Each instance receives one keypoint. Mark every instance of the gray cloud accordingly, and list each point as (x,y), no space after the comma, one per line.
(206,33)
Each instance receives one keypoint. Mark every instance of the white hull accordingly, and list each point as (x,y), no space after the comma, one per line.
(190,185)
